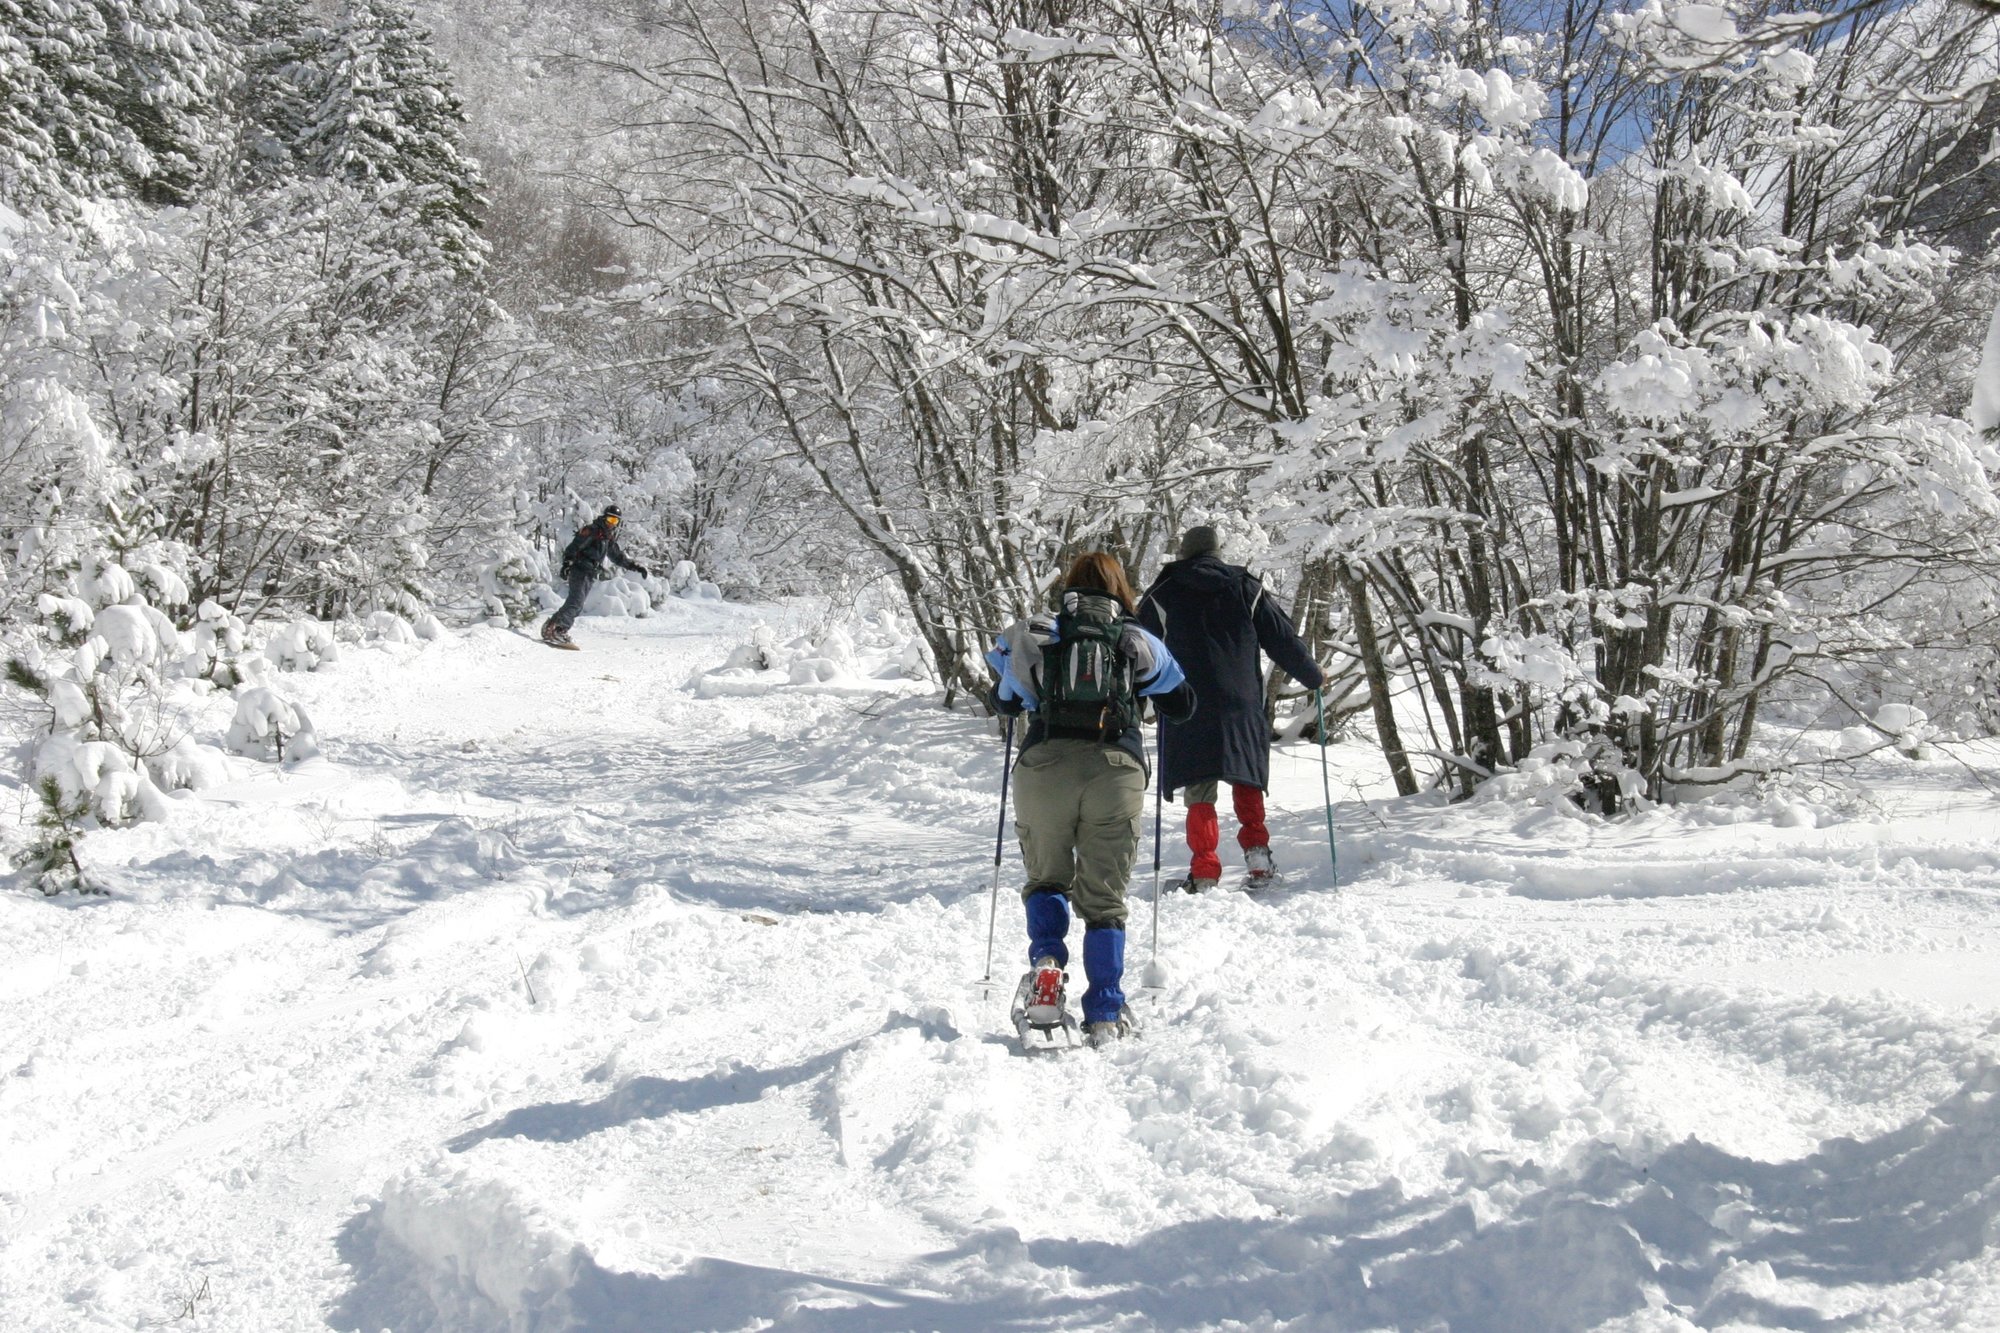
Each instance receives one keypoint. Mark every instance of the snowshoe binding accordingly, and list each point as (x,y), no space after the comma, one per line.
(1189,884)
(1262,870)
(1109,1032)
(558,638)
(1041,1013)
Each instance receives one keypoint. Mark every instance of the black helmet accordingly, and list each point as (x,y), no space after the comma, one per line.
(611,511)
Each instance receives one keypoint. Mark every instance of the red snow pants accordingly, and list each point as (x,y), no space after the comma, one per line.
(1204,833)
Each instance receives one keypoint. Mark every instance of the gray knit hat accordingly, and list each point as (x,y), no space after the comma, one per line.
(1199,541)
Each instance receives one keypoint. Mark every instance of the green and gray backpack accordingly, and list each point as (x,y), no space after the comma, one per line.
(1086,687)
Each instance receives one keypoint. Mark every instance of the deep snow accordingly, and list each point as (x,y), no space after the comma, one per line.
(585,991)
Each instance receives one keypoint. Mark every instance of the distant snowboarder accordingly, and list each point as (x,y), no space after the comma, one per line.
(1081,784)
(1214,617)
(582,564)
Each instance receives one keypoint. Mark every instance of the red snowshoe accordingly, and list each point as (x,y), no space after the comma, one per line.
(1041,1013)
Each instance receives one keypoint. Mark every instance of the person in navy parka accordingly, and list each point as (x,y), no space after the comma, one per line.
(1213,618)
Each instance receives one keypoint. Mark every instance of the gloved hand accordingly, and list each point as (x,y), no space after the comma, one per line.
(642,571)
(1004,707)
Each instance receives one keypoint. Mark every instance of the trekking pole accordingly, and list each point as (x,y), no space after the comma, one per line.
(1326,782)
(999,844)
(1156,972)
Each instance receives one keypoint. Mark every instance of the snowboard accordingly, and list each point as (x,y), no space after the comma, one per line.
(536,638)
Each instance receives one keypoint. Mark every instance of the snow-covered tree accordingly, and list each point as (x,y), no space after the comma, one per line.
(1586,365)
(388,121)
(60,136)
(286,63)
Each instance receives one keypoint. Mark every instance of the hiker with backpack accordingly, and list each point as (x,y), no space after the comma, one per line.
(1081,776)
(582,565)
(1215,617)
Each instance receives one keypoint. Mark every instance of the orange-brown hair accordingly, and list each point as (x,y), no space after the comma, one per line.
(1099,571)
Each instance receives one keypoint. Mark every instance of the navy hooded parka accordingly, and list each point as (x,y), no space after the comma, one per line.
(1213,618)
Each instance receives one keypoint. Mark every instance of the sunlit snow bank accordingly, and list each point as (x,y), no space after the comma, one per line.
(880,657)
(1885,1233)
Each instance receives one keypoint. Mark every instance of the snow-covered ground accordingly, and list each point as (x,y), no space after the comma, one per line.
(565,992)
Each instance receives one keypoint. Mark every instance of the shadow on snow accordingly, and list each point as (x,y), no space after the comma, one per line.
(1715,1237)
(649,1098)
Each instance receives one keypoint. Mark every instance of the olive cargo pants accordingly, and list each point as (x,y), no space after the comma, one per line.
(1077,809)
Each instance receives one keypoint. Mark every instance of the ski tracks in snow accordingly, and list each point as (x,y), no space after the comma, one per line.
(563,997)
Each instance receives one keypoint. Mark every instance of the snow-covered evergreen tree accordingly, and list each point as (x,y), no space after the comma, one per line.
(388,120)
(286,60)
(60,137)
(168,68)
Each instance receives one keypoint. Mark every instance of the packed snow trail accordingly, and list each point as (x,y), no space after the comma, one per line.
(564,993)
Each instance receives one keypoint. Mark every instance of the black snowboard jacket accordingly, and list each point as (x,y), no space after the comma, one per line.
(591,547)
(1213,618)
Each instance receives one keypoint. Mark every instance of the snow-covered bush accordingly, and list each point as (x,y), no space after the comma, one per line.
(511,582)
(188,766)
(871,657)
(216,643)
(686,581)
(817,670)
(389,627)
(1570,776)
(51,850)
(622,595)
(119,681)
(303,645)
(268,726)
(1908,728)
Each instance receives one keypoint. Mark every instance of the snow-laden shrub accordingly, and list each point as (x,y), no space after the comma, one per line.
(51,852)
(1795,799)
(686,581)
(116,787)
(303,645)
(388,627)
(1903,728)
(215,644)
(188,766)
(269,726)
(837,645)
(135,638)
(68,619)
(511,582)
(1909,726)
(868,655)
(882,634)
(1570,776)
(816,670)
(620,596)
(118,679)
(912,661)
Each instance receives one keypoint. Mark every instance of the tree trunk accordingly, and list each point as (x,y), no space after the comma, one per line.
(1378,682)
